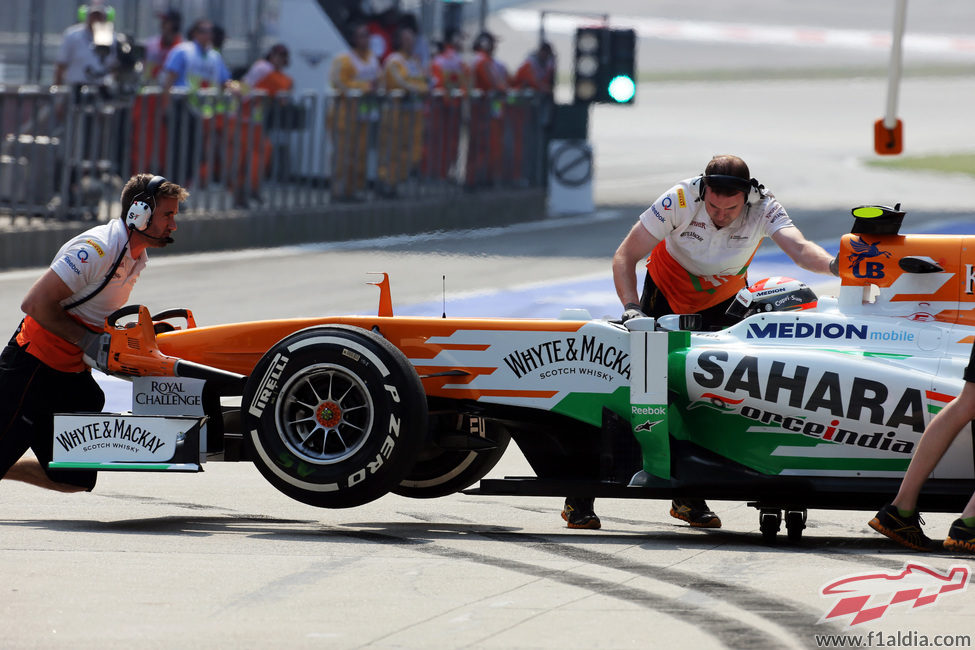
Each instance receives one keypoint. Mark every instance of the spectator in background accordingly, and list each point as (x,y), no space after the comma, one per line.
(486,135)
(401,129)
(150,132)
(195,63)
(158,47)
(268,74)
(536,74)
(451,81)
(248,145)
(193,66)
(354,78)
(89,50)
(383,25)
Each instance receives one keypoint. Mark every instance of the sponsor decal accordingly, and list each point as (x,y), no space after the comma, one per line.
(738,238)
(120,435)
(681,199)
(647,425)
(269,383)
(657,214)
(648,410)
(716,402)
(794,330)
(71,265)
(870,596)
(862,251)
(772,217)
(922,314)
(812,390)
(969,279)
(83,256)
(96,247)
(167,393)
(699,224)
(823,331)
(542,358)
(831,432)
(666,202)
(691,235)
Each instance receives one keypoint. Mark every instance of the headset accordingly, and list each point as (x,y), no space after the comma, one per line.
(84,9)
(140,212)
(752,189)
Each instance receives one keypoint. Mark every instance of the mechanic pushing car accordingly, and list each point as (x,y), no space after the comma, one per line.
(45,368)
(700,236)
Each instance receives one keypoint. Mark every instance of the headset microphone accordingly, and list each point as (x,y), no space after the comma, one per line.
(165,240)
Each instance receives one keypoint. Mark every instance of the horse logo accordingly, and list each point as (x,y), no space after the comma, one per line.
(863,250)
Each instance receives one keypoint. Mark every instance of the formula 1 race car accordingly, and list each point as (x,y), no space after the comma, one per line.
(817,406)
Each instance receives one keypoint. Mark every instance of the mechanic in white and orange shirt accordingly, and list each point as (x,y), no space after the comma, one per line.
(701,235)
(44,369)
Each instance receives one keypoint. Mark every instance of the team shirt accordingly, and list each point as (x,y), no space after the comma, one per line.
(83,263)
(697,265)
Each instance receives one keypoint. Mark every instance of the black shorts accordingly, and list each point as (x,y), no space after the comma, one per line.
(970,370)
(30,394)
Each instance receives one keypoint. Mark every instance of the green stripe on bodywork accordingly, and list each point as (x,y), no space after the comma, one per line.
(124,466)
(588,407)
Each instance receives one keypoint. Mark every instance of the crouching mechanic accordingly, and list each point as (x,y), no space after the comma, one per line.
(700,236)
(44,369)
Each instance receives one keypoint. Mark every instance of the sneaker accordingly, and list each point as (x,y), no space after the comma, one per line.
(960,537)
(579,513)
(906,531)
(695,512)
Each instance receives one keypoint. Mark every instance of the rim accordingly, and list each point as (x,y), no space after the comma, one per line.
(324,414)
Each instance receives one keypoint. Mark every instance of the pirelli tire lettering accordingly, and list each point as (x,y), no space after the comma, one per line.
(334,416)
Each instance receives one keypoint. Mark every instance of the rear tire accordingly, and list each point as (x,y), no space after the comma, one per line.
(439,471)
(334,416)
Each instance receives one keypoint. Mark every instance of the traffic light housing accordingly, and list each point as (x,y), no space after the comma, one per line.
(605,65)
(620,79)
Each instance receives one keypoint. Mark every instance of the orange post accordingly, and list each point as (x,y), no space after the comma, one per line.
(888,142)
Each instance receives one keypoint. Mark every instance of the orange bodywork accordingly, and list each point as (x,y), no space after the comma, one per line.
(947,296)
(238,347)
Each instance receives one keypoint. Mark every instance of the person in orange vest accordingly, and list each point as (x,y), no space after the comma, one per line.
(535,74)
(355,78)
(146,118)
(401,129)
(249,148)
(451,81)
(486,130)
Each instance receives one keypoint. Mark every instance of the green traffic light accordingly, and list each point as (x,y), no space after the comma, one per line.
(622,89)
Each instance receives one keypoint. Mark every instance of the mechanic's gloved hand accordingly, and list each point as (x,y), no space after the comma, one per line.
(94,347)
(632,311)
(834,266)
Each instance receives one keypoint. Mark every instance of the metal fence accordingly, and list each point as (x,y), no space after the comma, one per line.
(65,153)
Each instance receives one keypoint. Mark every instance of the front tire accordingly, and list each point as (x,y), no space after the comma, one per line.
(334,416)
